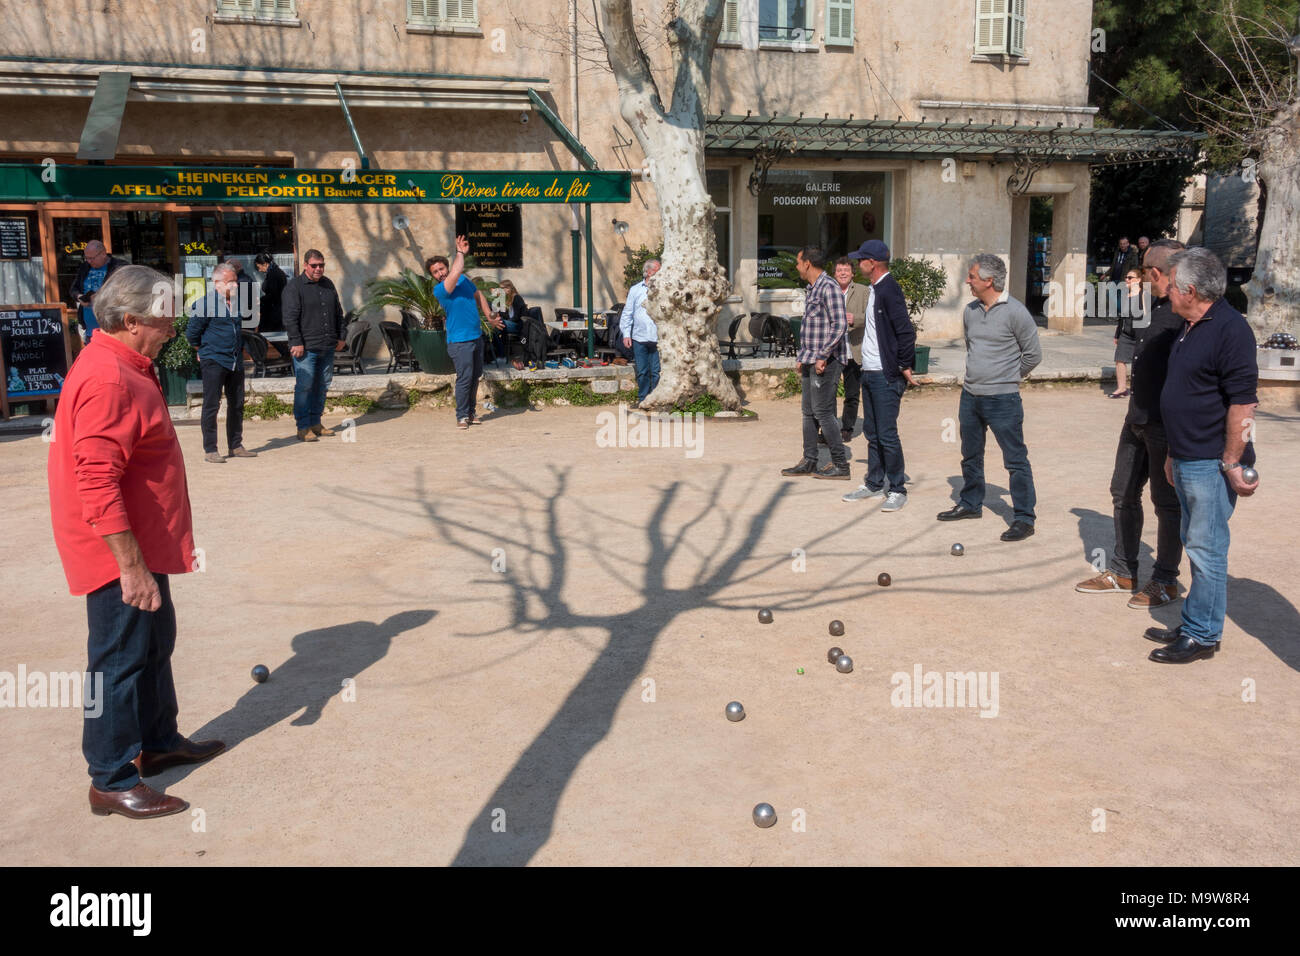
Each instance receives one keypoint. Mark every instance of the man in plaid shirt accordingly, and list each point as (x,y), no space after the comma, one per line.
(823,352)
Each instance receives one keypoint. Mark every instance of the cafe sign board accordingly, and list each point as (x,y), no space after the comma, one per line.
(278,185)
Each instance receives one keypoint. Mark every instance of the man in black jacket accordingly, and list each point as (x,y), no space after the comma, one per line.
(313,319)
(213,329)
(1141,457)
(888,354)
(96,266)
(273,282)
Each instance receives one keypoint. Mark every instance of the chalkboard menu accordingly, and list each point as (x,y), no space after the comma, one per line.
(34,349)
(495,233)
(14,238)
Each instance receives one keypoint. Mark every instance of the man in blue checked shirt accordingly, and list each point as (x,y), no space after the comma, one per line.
(640,334)
(213,329)
(823,352)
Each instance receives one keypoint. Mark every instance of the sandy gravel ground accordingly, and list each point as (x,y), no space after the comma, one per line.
(542,635)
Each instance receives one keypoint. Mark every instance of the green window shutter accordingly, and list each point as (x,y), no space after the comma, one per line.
(839,22)
(416,11)
(244,8)
(991,26)
(1016,46)
(284,9)
(730,32)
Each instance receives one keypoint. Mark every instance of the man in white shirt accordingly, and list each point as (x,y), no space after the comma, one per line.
(641,335)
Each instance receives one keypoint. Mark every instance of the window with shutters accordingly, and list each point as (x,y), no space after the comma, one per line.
(1000,27)
(839,22)
(781,22)
(442,13)
(258,9)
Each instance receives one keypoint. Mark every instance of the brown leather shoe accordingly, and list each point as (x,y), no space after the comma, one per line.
(139,803)
(1106,583)
(306,434)
(241,452)
(1154,594)
(322,430)
(189,751)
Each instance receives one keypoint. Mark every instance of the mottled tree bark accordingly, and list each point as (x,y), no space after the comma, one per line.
(688,291)
(1274,287)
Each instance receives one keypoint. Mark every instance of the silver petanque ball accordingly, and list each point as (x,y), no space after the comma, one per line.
(837,628)
(958,550)
(765,616)
(764,815)
(844,664)
(834,654)
(735,711)
(1249,475)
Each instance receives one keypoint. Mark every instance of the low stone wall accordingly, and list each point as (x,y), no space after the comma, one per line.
(756,380)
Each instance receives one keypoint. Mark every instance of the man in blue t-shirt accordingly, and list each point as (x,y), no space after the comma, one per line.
(1207,404)
(459,298)
(97,265)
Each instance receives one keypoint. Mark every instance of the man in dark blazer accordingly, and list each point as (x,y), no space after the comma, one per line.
(888,354)
(273,283)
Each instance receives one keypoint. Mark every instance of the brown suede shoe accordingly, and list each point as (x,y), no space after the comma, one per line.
(139,803)
(189,751)
(241,452)
(322,430)
(1154,594)
(306,434)
(1105,583)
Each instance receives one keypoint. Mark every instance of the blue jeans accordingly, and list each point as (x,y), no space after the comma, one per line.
(1005,416)
(646,357)
(314,371)
(467,358)
(133,650)
(881,399)
(1207,502)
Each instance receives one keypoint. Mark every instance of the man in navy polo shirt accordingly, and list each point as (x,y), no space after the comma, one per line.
(458,297)
(1206,404)
(213,329)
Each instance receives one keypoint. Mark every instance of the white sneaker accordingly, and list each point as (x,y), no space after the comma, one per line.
(862,492)
(894,501)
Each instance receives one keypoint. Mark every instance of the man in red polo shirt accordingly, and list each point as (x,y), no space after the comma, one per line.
(121,513)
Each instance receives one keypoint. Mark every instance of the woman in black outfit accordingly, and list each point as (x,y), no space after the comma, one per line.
(1125,340)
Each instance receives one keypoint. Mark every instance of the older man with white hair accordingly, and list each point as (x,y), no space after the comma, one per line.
(120,509)
(1001,349)
(1207,406)
(640,334)
(213,329)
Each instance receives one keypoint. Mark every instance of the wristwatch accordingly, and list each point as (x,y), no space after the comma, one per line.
(1224,467)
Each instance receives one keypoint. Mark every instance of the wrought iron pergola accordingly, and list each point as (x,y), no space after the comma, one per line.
(1029,148)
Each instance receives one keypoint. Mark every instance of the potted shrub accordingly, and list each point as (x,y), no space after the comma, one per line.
(413,293)
(178,363)
(923,285)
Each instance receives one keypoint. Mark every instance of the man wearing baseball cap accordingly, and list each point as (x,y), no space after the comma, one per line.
(888,354)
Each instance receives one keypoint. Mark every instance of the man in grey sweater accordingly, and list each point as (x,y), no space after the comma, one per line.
(1001,349)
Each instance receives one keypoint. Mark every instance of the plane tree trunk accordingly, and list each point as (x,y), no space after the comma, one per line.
(687,293)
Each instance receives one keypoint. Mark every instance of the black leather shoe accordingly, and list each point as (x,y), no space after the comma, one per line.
(139,803)
(1019,531)
(1183,651)
(833,471)
(959,511)
(804,467)
(1162,636)
(189,751)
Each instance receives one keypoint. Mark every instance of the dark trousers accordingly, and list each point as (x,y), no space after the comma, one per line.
(467,358)
(818,401)
(216,379)
(852,387)
(881,399)
(133,650)
(1141,457)
(1004,415)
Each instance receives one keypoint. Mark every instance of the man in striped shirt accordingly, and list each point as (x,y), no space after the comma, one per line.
(823,353)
